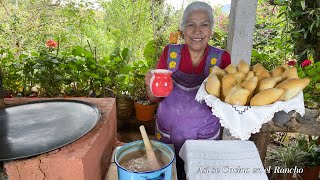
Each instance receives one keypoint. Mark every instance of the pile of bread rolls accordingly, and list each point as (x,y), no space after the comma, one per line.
(255,86)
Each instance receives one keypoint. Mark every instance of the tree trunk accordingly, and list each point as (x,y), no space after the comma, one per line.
(316,57)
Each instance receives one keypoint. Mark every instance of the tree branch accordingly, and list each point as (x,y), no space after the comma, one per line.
(5,7)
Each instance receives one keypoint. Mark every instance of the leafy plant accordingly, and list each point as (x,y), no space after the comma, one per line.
(48,74)
(138,90)
(116,76)
(286,156)
(11,71)
(303,26)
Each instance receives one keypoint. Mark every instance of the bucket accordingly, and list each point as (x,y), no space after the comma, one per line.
(164,173)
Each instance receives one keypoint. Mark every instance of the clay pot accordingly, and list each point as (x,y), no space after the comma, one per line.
(310,173)
(144,112)
(124,107)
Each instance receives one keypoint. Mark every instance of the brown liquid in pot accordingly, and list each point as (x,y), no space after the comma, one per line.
(137,160)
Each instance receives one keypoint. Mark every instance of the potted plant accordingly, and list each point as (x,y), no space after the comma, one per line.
(144,108)
(311,158)
(283,158)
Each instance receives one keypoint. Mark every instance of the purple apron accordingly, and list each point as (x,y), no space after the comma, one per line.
(179,116)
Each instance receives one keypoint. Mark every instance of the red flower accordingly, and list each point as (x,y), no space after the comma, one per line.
(292,63)
(51,43)
(305,63)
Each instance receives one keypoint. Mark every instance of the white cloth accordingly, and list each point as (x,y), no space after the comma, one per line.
(244,120)
(223,160)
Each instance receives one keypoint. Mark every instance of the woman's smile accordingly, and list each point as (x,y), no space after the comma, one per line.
(197,39)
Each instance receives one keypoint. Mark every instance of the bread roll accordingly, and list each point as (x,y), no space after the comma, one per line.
(231,69)
(243,67)
(219,72)
(286,66)
(256,67)
(239,76)
(290,73)
(249,75)
(251,86)
(266,97)
(213,85)
(267,83)
(292,87)
(227,83)
(276,72)
(264,74)
(261,72)
(237,96)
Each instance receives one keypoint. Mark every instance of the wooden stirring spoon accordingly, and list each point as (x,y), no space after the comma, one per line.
(151,157)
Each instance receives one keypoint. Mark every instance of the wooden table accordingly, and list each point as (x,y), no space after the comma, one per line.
(309,124)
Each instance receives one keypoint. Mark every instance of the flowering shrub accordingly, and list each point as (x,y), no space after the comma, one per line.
(48,74)
(312,91)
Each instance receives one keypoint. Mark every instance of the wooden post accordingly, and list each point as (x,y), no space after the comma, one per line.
(261,140)
(2,104)
(241,27)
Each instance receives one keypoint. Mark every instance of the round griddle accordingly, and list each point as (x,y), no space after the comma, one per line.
(41,126)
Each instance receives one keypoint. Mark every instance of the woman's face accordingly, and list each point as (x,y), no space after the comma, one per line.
(197,31)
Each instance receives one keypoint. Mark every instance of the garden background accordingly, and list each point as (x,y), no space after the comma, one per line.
(55,48)
(104,49)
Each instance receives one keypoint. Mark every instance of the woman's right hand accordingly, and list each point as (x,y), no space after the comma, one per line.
(147,80)
(148,77)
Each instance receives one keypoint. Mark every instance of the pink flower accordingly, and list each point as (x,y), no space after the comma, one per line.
(51,43)
(292,62)
(306,63)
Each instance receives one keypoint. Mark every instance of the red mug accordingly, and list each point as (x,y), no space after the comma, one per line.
(161,83)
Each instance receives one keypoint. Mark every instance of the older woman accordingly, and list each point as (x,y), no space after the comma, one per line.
(179,116)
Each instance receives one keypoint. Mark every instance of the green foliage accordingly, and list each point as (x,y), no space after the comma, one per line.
(12,71)
(219,38)
(79,68)
(312,151)
(150,53)
(138,71)
(48,73)
(303,26)
(312,91)
(129,23)
(271,47)
(116,67)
